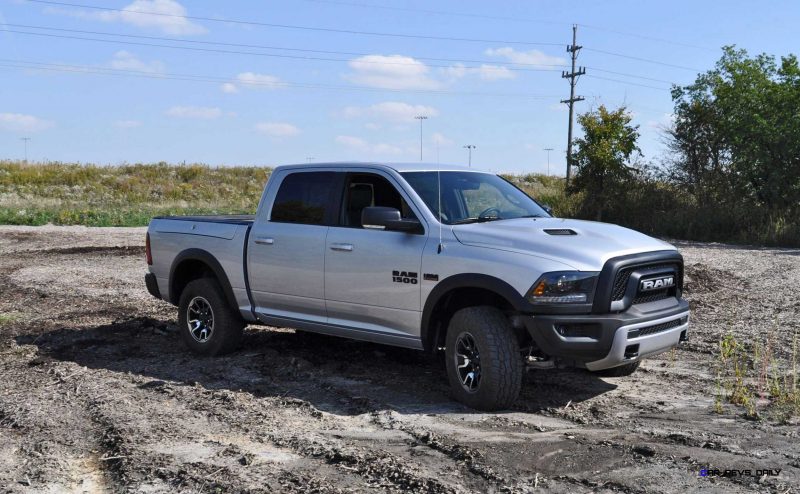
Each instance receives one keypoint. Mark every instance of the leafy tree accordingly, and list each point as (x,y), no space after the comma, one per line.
(603,158)
(737,132)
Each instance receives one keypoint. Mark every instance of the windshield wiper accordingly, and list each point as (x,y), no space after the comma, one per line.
(476,220)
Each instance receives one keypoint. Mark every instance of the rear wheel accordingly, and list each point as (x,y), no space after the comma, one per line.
(619,371)
(484,363)
(208,325)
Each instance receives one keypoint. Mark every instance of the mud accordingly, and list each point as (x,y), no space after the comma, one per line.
(98,394)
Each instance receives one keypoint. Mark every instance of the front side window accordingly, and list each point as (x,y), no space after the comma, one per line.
(305,197)
(470,197)
(363,190)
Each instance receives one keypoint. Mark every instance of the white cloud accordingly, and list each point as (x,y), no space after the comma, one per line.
(666,121)
(124,60)
(167,16)
(196,112)
(495,72)
(251,80)
(127,124)
(263,81)
(440,139)
(18,122)
(364,147)
(531,57)
(393,111)
(391,72)
(229,88)
(487,72)
(277,129)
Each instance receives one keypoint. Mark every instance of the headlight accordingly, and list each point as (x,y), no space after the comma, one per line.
(563,287)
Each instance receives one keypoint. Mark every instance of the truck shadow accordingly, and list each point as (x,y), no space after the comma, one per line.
(331,374)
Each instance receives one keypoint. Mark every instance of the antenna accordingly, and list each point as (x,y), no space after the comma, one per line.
(439,203)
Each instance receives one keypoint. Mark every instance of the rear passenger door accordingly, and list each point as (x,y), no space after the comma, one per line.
(372,278)
(286,248)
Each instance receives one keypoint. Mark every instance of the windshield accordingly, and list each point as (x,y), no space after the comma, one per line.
(470,197)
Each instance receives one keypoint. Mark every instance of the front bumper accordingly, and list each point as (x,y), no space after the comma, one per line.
(602,341)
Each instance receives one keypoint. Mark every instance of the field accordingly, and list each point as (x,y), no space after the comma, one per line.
(99,395)
(129,195)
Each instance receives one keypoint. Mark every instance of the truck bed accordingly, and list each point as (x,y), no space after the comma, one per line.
(230,219)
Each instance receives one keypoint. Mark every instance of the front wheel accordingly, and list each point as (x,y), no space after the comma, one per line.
(484,363)
(207,323)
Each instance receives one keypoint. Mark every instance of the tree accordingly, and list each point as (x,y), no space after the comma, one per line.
(604,158)
(737,132)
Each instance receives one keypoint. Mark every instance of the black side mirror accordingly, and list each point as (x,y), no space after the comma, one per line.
(387,218)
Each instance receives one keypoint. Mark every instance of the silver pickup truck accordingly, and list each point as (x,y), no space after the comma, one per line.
(424,257)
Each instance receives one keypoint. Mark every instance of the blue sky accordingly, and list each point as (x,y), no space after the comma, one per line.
(223,103)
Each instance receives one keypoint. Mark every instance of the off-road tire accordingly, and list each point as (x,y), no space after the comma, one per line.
(619,371)
(501,365)
(228,325)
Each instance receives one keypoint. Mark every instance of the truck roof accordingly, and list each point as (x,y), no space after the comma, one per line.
(398,167)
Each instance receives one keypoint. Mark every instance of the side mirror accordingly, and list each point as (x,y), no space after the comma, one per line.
(387,218)
(547,209)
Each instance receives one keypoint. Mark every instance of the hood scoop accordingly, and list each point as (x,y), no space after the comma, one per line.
(559,231)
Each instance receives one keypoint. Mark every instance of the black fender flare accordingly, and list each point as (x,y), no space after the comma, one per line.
(209,260)
(467,280)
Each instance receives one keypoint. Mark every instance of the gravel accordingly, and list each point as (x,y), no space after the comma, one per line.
(98,394)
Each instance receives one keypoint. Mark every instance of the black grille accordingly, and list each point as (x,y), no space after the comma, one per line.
(621,280)
(559,231)
(658,328)
(651,297)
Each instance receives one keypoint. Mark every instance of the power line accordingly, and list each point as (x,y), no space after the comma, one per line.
(270,47)
(79,69)
(514,19)
(640,59)
(238,52)
(440,12)
(647,37)
(629,82)
(296,57)
(365,33)
(304,28)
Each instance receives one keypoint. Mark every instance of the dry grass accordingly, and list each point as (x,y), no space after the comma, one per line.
(127,195)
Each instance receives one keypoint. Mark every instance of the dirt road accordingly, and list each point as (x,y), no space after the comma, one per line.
(97,394)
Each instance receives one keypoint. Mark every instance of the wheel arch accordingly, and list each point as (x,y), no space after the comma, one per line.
(192,264)
(464,290)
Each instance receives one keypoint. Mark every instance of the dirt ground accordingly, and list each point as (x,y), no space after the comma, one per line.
(98,394)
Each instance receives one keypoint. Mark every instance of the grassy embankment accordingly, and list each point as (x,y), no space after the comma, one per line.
(129,195)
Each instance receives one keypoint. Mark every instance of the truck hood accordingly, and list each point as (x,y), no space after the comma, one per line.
(591,245)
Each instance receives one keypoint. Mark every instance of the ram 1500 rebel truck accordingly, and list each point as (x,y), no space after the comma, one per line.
(425,257)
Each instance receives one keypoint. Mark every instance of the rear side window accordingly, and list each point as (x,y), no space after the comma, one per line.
(306,198)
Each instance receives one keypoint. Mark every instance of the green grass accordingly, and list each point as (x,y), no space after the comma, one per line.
(7,318)
(754,378)
(126,195)
(129,195)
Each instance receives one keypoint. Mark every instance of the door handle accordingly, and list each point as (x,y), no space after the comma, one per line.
(342,247)
(265,240)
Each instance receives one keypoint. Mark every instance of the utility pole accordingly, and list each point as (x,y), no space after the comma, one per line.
(25,140)
(573,80)
(309,159)
(470,147)
(420,118)
(548,160)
